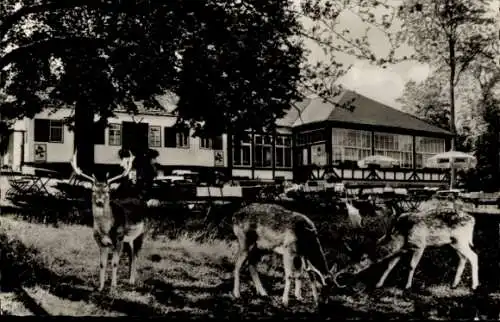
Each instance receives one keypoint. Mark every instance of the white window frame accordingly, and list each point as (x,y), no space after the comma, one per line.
(282,144)
(437,145)
(182,140)
(115,134)
(59,126)
(401,149)
(361,148)
(243,145)
(154,136)
(206,143)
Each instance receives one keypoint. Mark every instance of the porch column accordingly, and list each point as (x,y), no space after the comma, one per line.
(373,142)
(252,156)
(414,152)
(329,144)
(273,153)
(229,149)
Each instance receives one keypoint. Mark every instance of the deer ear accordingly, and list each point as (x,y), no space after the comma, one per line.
(107,175)
(93,176)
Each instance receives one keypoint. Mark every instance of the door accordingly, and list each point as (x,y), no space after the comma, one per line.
(135,136)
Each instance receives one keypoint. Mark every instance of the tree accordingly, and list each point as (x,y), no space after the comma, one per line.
(323,21)
(233,65)
(450,34)
(426,100)
(486,176)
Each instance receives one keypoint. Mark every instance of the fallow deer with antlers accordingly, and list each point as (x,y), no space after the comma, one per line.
(115,222)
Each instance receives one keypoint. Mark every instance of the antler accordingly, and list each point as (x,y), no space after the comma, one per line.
(78,171)
(127,169)
(335,279)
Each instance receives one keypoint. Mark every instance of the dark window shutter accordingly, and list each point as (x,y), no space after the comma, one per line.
(42,130)
(217,143)
(170,137)
(99,132)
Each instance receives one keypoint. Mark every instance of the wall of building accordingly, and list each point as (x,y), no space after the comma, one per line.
(194,155)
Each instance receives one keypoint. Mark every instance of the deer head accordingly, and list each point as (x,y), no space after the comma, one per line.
(100,190)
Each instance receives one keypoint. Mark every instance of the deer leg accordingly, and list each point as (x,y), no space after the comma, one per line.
(253,259)
(288,265)
(299,269)
(415,259)
(240,260)
(114,264)
(392,263)
(314,291)
(103,262)
(136,246)
(460,269)
(132,264)
(465,251)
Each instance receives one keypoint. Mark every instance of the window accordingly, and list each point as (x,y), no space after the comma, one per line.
(115,134)
(399,147)
(263,151)
(350,145)
(48,131)
(176,138)
(182,139)
(310,137)
(283,152)
(217,143)
(154,137)
(242,152)
(206,143)
(426,147)
(211,143)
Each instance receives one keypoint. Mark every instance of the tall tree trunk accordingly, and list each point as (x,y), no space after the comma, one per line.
(451,44)
(84,143)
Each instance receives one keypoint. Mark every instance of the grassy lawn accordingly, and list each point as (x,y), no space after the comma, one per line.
(181,274)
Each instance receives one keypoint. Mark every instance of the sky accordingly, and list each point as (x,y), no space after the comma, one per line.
(384,85)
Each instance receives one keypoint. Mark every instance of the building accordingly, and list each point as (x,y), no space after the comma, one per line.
(313,139)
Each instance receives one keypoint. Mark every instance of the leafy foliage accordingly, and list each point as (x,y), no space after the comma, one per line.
(233,65)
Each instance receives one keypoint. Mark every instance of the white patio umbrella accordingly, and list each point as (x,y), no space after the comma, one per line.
(452,159)
(381,160)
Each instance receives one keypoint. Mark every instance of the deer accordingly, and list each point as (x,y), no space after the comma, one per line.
(115,223)
(273,228)
(413,232)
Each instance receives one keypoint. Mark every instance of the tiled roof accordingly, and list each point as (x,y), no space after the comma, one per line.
(293,113)
(364,111)
(166,106)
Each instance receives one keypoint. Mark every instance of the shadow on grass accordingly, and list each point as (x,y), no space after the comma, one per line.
(20,268)
(105,301)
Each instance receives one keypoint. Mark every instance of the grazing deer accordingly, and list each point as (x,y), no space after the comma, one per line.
(270,227)
(413,232)
(115,222)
